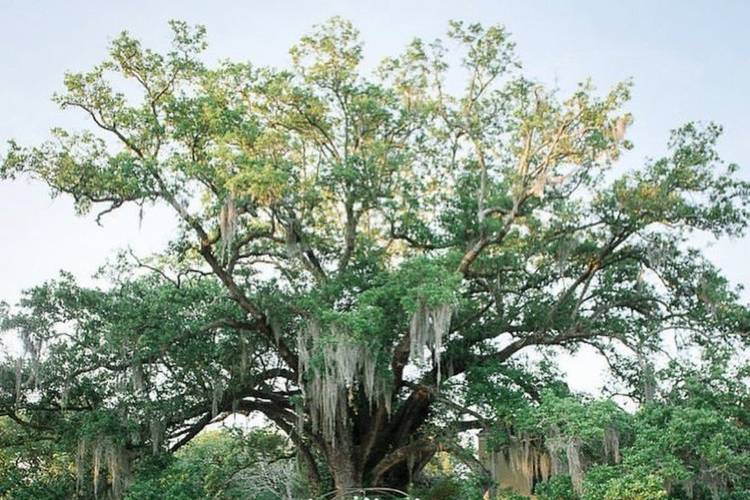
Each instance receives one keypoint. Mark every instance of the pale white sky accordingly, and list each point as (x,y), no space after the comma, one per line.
(690,60)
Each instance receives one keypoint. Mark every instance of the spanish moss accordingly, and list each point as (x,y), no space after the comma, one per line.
(157,430)
(611,444)
(109,463)
(342,366)
(575,465)
(429,325)
(228,223)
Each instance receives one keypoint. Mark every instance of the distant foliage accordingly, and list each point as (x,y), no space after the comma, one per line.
(222,464)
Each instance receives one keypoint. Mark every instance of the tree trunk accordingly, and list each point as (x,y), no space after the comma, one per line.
(371,441)
(342,460)
(346,474)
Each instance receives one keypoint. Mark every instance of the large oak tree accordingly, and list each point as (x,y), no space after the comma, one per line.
(356,249)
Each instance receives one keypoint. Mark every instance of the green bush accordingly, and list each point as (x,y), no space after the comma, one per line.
(509,494)
(443,489)
(221,464)
(605,482)
(556,488)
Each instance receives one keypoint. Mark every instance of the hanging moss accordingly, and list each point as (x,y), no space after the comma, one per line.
(65,395)
(32,349)
(228,223)
(80,465)
(611,444)
(520,459)
(217,394)
(555,447)
(19,380)
(648,380)
(429,325)
(138,377)
(109,462)
(244,361)
(157,430)
(575,465)
(520,464)
(96,465)
(342,366)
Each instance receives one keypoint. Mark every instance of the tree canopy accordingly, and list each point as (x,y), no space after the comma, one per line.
(378,261)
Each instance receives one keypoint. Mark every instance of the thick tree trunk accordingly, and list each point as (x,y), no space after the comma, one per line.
(376,450)
(342,460)
(345,478)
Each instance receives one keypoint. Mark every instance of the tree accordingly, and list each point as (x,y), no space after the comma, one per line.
(33,465)
(696,439)
(221,464)
(358,250)
(692,441)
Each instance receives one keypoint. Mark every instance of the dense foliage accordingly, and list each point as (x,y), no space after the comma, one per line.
(376,263)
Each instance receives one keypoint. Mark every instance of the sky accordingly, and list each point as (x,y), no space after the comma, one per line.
(689,60)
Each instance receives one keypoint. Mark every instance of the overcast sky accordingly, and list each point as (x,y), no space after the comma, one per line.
(689,60)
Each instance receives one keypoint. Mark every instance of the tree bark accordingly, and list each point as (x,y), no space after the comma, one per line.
(374,450)
(344,468)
